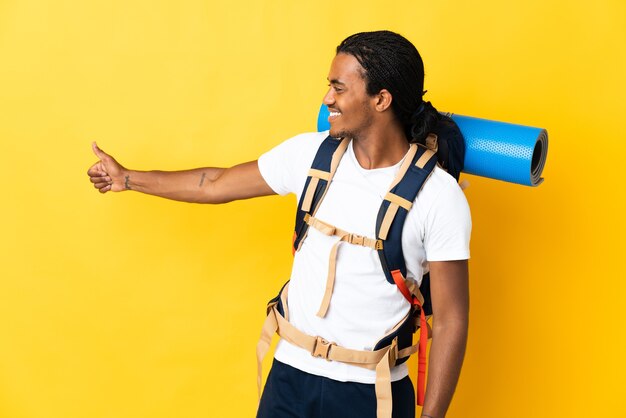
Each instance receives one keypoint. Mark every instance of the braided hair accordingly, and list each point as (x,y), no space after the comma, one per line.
(392,62)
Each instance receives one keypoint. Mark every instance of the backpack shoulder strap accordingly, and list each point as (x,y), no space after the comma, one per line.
(413,173)
(320,175)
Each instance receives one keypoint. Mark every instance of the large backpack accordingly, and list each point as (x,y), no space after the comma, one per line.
(445,147)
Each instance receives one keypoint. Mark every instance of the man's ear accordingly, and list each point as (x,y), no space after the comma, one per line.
(383,100)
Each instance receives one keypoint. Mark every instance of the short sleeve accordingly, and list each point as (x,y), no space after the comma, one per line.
(448,224)
(284,168)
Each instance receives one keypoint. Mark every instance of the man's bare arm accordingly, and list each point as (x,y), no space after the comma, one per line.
(449,288)
(200,185)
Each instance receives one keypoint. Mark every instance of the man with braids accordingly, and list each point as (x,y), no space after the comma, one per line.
(375,99)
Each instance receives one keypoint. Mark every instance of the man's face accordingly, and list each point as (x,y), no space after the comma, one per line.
(351,109)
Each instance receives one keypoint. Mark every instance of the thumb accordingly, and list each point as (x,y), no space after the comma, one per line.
(96,150)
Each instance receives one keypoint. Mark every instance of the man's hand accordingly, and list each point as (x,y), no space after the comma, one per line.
(198,185)
(107,174)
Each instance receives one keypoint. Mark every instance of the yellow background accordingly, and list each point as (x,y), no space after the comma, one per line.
(124,305)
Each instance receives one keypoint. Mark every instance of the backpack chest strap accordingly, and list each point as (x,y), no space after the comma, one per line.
(344,236)
(330,230)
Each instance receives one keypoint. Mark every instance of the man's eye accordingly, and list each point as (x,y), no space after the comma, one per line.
(337,89)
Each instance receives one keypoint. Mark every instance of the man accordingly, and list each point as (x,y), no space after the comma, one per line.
(375,99)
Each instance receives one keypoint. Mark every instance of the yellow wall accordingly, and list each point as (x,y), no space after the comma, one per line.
(127,306)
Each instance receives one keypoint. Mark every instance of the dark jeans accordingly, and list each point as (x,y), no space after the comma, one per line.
(291,393)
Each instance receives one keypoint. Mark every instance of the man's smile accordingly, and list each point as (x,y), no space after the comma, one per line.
(333,115)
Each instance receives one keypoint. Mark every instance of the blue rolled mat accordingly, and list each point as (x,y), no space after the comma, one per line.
(497,150)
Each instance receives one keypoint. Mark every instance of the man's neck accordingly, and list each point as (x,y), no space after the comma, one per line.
(380,148)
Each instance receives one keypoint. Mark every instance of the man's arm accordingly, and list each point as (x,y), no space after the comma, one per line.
(449,289)
(200,185)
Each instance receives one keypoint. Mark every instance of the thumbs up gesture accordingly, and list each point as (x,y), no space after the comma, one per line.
(107,174)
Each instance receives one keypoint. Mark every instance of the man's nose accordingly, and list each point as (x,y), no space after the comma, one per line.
(329,98)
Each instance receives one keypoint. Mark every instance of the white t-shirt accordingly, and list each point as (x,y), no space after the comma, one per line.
(364,305)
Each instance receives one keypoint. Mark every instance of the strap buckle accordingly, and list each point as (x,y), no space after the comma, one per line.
(321,348)
(356,239)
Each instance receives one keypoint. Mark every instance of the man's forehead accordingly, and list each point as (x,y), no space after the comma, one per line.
(344,69)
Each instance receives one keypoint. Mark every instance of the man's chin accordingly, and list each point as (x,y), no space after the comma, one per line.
(337,133)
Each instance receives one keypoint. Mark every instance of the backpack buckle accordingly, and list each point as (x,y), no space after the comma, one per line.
(356,239)
(321,348)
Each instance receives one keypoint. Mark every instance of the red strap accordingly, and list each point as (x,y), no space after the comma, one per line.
(421,359)
(397,277)
(421,353)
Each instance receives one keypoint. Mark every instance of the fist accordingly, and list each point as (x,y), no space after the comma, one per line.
(106,174)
